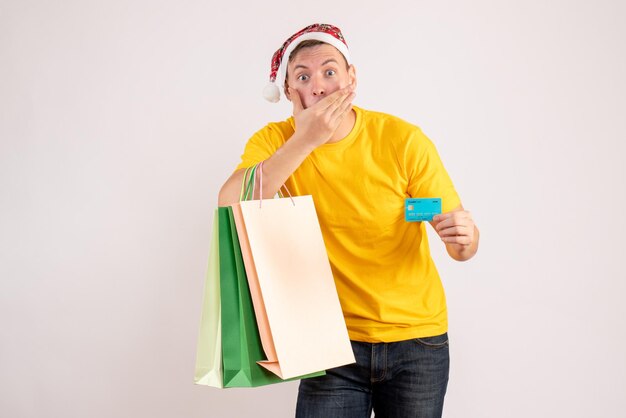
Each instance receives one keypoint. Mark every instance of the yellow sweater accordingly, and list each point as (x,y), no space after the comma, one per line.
(387,282)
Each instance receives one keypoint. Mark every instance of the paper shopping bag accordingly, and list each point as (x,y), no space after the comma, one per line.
(208,369)
(241,344)
(292,286)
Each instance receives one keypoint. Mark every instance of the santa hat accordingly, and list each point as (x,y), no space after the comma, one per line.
(320,32)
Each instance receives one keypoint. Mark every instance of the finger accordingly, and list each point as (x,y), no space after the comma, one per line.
(454,231)
(344,113)
(345,102)
(458,214)
(328,101)
(461,240)
(341,109)
(454,222)
(443,216)
(295,99)
(344,108)
(332,99)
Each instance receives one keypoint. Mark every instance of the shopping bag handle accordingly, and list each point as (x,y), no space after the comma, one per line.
(248,184)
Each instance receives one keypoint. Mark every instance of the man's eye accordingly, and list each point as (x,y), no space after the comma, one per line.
(303,77)
(330,72)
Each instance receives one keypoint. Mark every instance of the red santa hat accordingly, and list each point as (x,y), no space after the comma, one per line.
(320,32)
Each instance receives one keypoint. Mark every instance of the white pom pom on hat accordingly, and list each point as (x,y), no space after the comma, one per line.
(271,92)
(320,32)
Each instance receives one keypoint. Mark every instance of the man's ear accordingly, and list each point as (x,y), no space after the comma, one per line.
(352,74)
(286,91)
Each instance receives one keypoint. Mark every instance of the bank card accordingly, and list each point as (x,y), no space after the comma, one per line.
(421,209)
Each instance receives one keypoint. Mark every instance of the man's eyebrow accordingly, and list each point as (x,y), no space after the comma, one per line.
(323,64)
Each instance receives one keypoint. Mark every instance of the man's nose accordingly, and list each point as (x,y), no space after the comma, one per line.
(318,88)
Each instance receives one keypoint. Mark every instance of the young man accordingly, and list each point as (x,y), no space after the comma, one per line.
(360,166)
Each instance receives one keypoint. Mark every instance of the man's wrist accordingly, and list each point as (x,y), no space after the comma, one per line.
(302,145)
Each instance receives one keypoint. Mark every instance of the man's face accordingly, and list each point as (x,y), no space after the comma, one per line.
(318,71)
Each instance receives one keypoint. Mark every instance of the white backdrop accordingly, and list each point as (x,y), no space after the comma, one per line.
(120,120)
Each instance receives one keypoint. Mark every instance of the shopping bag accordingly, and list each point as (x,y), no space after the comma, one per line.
(241,344)
(292,286)
(208,370)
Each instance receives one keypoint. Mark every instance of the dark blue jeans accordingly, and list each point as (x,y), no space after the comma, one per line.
(403,379)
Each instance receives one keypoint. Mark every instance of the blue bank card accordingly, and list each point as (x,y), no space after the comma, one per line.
(421,209)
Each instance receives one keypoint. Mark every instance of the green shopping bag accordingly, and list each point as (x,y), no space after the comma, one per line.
(208,370)
(241,343)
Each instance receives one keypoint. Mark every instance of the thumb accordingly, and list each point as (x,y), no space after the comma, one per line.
(295,99)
